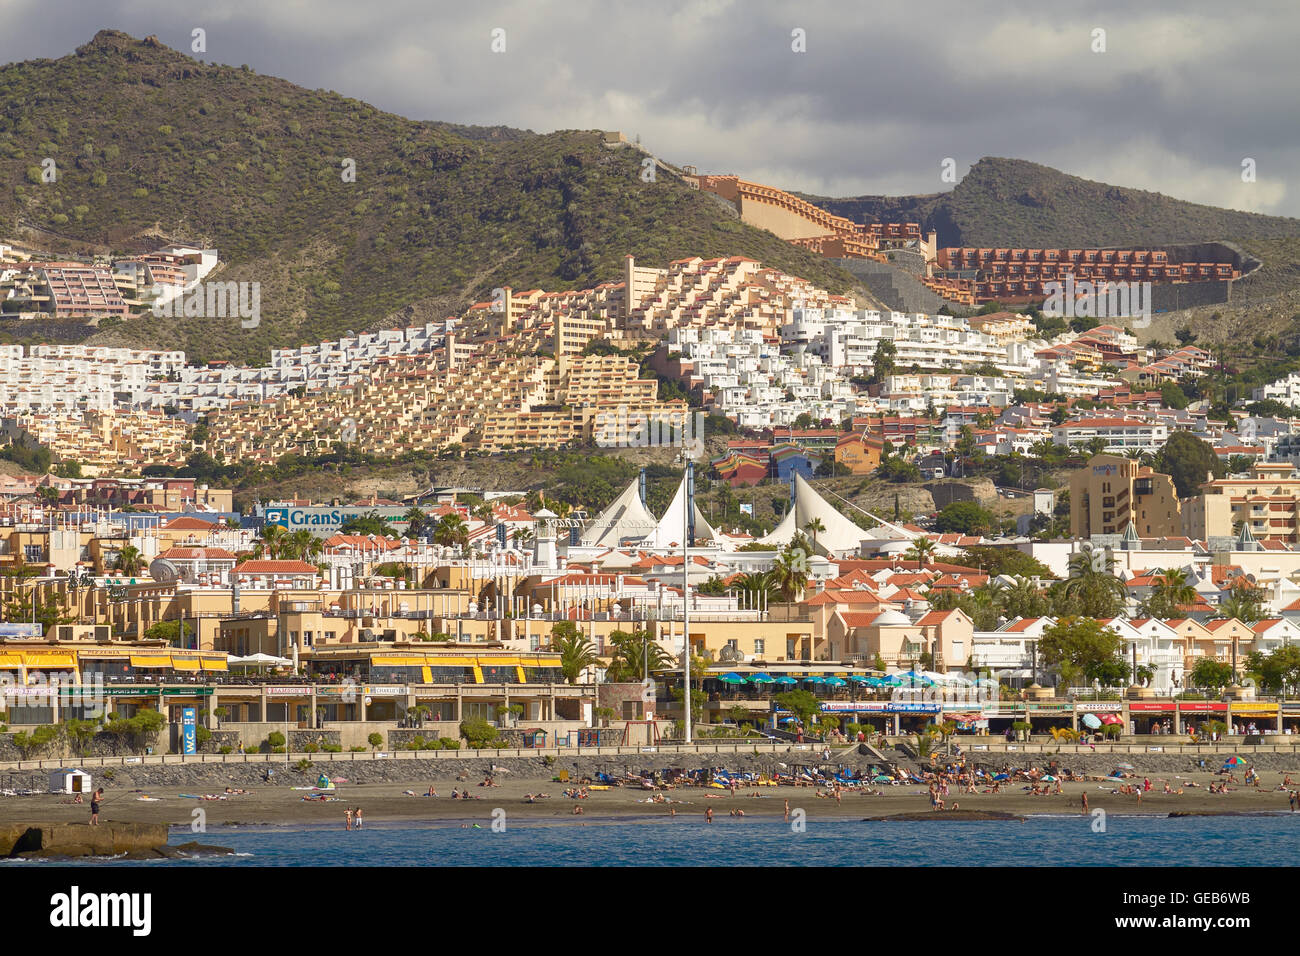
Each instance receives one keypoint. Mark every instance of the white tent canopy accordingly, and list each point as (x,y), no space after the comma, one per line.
(841,534)
(626,519)
(669,531)
(258,660)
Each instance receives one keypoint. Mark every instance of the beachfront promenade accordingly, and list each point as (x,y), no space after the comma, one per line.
(975,749)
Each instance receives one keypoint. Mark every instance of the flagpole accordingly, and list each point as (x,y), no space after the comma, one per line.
(686,590)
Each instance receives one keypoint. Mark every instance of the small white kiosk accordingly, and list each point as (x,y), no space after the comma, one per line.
(69,780)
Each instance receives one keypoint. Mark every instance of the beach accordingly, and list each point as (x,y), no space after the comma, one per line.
(389,803)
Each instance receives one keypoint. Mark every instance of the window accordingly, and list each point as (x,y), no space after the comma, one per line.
(759,645)
(733,644)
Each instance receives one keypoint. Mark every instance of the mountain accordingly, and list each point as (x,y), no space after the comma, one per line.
(151,145)
(1011,202)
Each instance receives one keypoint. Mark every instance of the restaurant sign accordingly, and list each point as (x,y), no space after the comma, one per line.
(1164,707)
(1253,707)
(1201,707)
(285,691)
(1099,706)
(388,690)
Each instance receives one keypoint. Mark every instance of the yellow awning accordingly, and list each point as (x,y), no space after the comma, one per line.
(150,660)
(428,675)
(185,663)
(214,663)
(398,661)
(11,661)
(49,659)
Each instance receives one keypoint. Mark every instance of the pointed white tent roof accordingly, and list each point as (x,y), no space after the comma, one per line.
(841,534)
(625,519)
(669,531)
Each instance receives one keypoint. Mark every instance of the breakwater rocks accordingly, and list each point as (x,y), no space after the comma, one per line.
(1149,763)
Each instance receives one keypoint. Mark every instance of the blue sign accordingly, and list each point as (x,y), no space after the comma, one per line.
(189,730)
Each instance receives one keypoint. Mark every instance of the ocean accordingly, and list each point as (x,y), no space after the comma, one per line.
(1262,840)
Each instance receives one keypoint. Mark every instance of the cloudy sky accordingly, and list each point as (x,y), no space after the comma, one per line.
(882,94)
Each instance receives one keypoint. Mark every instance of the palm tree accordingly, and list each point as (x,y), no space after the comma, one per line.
(1168,596)
(921,551)
(416,520)
(813,527)
(1096,446)
(451,530)
(523,536)
(632,652)
(1092,589)
(273,537)
(129,561)
(789,576)
(576,652)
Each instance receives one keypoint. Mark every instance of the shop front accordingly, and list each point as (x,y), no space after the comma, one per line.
(1291,718)
(1154,717)
(1043,718)
(1251,718)
(1194,716)
(1094,717)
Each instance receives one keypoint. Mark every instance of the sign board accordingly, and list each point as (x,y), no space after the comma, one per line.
(1099,707)
(285,691)
(1201,707)
(388,690)
(326,521)
(17,629)
(189,730)
(1253,707)
(1165,707)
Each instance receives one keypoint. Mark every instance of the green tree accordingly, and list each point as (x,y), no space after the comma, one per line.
(128,561)
(576,652)
(477,732)
(1169,596)
(1092,589)
(803,704)
(629,653)
(789,575)
(1245,602)
(1277,670)
(375,740)
(1077,647)
(921,550)
(1188,461)
(1210,674)
(813,527)
(882,363)
(965,517)
(451,530)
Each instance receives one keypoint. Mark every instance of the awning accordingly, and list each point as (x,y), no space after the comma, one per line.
(213,663)
(49,660)
(185,663)
(398,661)
(150,660)
(11,661)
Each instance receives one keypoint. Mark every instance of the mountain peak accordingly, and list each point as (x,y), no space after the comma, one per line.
(119,43)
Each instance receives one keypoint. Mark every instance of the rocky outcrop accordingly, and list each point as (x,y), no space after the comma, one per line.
(81,839)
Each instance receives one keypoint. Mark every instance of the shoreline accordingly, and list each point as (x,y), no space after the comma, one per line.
(386,804)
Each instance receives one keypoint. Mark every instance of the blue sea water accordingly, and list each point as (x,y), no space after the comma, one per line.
(1267,840)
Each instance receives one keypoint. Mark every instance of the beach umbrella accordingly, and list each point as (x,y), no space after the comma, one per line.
(859,679)
(788,720)
(784,679)
(1002,776)
(1092,721)
(760,679)
(882,778)
(815,679)
(732,679)
(1112,719)
(890,681)
(1047,778)
(834,682)
(1234,762)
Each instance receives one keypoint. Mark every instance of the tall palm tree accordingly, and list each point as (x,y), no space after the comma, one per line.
(129,561)
(273,537)
(789,576)
(1168,596)
(1092,589)
(416,521)
(813,527)
(451,530)
(1243,602)
(576,652)
(523,536)
(921,550)
(632,652)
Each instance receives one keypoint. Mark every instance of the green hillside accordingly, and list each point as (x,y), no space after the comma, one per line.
(152,145)
(1011,202)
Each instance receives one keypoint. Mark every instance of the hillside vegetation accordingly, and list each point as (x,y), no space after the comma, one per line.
(153,145)
(1012,202)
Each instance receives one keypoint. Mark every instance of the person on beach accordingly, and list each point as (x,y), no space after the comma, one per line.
(708,815)
(357,817)
(431,792)
(787,810)
(1085,804)
(94,806)
(347,814)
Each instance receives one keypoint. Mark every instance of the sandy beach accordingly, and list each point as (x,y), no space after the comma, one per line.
(389,803)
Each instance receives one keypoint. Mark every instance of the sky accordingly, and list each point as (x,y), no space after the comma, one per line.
(848,98)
